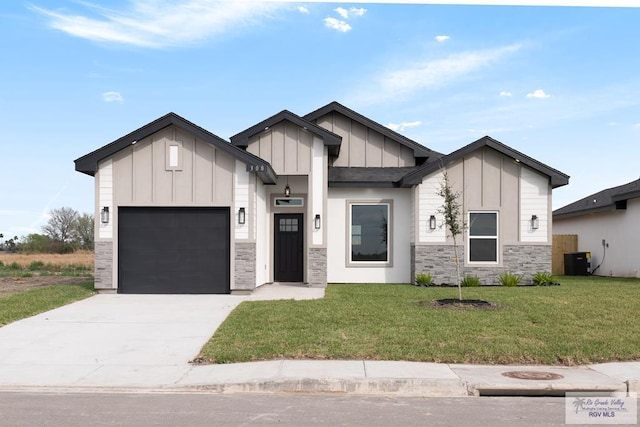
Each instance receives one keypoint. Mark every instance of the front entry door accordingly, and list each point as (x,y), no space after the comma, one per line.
(288,248)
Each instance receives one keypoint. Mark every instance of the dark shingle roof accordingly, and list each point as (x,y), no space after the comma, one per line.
(556,177)
(603,201)
(89,163)
(419,150)
(330,139)
(367,177)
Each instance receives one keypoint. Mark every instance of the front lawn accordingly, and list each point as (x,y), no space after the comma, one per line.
(20,305)
(585,320)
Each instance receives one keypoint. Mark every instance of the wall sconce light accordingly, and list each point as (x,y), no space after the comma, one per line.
(432,222)
(241,216)
(104,215)
(316,222)
(535,222)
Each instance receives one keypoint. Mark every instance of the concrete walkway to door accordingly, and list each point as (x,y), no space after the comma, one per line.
(120,340)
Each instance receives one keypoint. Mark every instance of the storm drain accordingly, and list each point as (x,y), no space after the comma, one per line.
(532,375)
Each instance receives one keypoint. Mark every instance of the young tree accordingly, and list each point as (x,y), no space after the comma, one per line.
(84,231)
(451,210)
(61,227)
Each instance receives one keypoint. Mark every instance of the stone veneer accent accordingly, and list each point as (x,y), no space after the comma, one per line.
(438,260)
(317,272)
(245,266)
(103,273)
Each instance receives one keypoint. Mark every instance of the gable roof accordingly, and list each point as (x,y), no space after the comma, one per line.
(418,149)
(330,139)
(89,163)
(611,199)
(556,177)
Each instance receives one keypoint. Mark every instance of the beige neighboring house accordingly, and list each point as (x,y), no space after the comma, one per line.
(606,224)
(329,197)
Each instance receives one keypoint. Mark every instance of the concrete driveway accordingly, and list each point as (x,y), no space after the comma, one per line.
(120,340)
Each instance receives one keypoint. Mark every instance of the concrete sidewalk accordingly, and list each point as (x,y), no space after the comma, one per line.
(146,343)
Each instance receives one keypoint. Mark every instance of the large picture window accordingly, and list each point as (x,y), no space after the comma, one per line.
(369,231)
(483,237)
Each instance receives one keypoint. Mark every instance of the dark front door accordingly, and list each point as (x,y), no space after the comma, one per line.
(288,248)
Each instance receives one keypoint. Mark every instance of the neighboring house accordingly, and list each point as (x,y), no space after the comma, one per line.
(328,197)
(607,226)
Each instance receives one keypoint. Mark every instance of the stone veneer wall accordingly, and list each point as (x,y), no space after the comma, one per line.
(317,272)
(103,273)
(438,260)
(245,267)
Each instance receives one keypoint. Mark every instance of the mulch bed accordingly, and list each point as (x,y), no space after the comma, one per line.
(456,303)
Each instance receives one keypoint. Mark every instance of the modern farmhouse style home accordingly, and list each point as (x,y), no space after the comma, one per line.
(329,197)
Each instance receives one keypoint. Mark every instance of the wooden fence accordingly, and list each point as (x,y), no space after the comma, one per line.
(562,244)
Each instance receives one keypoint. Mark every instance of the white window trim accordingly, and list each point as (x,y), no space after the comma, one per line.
(496,237)
(389,261)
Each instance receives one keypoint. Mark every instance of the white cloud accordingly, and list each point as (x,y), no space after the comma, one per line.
(505,93)
(358,11)
(162,23)
(399,127)
(637,126)
(303,9)
(112,97)
(538,94)
(337,24)
(441,39)
(421,75)
(342,12)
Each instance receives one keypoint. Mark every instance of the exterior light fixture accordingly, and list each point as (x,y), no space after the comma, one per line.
(287,191)
(104,215)
(535,222)
(241,216)
(316,222)
(432,222)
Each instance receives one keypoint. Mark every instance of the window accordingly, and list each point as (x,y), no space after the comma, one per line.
(289,202)
(369,241)
(483,237)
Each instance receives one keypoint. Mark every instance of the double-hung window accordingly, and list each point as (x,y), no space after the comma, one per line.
(369,233)
(483,237)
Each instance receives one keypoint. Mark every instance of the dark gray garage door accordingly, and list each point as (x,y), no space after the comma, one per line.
(166,250)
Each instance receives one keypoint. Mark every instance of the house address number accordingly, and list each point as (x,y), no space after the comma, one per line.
(256,168)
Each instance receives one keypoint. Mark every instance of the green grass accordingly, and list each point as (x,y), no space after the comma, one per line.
(585,320)
(28,303)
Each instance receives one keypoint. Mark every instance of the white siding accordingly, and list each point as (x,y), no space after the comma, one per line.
(317,189)
(621,234)
(262,235)
(337,245)
(534,200)
(429,203)
(105,198)
(241,197)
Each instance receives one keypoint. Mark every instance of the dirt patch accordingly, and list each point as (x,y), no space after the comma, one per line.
(10,285)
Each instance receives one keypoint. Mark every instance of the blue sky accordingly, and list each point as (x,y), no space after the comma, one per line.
(560,84)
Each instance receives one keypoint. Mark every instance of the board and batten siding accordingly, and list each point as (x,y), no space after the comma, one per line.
(430,203)
(241,189)
(534,200)
(105,198)
(286,146)
(363,146)
(143,174)
(317,191)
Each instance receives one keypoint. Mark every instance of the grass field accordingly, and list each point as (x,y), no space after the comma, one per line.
(31,302)
(585,320)
(78,258)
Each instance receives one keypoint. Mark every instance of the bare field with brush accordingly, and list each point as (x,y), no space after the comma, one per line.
(78,258)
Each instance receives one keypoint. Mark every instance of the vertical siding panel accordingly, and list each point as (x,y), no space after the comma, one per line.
(304,152)
(391,153)
(224,177)
(142,166)
(357,146)
(183,179)
(342,127)
(510,213)
(406,157)
(491,178)
(277,148)
(472,183)
(123,176)
(375,145)
(290,148)
(163,185)
(204,176)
